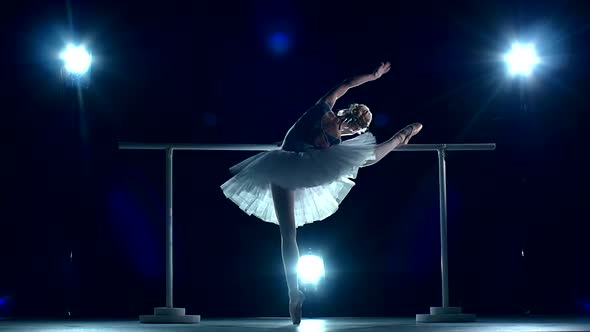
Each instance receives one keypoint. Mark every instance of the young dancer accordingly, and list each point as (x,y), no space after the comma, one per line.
(312,172)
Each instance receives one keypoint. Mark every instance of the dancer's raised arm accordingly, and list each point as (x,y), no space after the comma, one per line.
(338,91)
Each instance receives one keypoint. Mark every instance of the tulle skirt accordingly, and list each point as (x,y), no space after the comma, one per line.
(320,179)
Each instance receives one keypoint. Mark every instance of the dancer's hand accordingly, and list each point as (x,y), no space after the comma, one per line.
(382,69)
(338,91)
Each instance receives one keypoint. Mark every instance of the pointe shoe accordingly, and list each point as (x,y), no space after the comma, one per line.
(415,128)
(295,307)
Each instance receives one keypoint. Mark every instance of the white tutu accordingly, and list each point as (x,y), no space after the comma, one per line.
(320,178)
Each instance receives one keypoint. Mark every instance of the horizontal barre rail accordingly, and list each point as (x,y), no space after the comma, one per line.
(196,146)
(268,147)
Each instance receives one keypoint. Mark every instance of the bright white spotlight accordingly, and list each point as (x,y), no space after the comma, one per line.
(521,59)
(310,269)
(76,59)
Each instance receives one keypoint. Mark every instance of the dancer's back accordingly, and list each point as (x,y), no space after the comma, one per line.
(307,131)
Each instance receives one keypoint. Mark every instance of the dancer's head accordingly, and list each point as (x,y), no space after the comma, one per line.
(356,118)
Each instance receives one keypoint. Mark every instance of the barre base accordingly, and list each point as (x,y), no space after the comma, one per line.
(445,315)
(163,315)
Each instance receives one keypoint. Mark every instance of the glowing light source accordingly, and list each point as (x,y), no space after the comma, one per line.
(310,269)
(279,43)
(521,59)
(76,59)
(76,68)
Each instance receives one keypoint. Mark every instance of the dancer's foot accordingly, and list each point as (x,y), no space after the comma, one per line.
(409,131)
(295,306)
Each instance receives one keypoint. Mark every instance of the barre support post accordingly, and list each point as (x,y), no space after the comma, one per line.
(444,313)
(169,314)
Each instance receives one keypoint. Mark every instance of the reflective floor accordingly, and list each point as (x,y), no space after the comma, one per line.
(308,325)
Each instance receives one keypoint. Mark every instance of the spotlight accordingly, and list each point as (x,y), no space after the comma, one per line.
(77,61)
(279,43)
(310,269)
(521,59)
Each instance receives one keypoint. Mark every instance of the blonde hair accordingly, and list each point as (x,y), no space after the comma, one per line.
(357,114)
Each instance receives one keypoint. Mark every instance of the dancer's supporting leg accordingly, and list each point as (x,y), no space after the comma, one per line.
(284,203)
(401,137)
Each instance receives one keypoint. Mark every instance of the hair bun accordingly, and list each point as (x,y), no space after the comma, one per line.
(358,114)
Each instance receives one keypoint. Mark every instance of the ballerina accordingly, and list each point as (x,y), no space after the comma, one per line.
(307,178)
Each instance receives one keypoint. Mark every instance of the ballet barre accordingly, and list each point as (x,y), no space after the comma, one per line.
(169,314)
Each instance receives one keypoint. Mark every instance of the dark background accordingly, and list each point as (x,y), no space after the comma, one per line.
(242,72)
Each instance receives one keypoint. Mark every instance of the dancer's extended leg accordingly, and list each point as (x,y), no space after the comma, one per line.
(284,204)
(401,137)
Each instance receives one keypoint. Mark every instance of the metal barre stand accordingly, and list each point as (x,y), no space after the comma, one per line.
(169,314)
